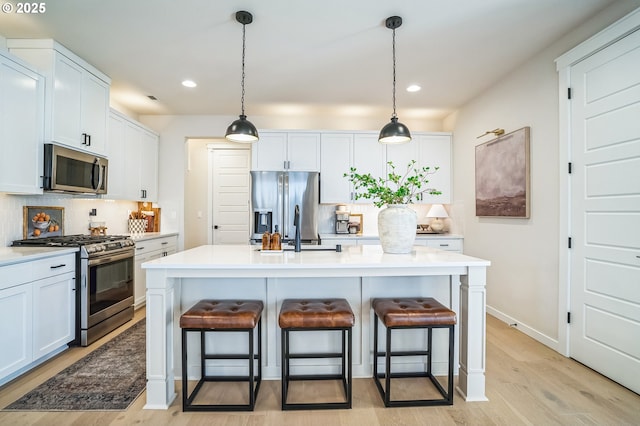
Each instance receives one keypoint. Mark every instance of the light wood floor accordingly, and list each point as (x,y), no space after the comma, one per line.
(527,384)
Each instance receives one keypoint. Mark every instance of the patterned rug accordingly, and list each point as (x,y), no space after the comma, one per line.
(109,378)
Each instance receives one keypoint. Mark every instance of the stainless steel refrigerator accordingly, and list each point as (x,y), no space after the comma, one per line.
(274,196)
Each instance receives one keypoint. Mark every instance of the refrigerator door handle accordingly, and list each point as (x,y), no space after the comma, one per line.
(285,212)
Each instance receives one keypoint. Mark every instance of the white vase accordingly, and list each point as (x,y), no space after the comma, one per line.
(397,228)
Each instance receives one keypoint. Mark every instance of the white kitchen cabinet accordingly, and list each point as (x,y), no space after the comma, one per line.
(37,312)
(133,160)
(147,250)
(53,313)
(341,151)
(448,242)
(291,151)
(336,151)
(76,94)
(429,150)
(21,126)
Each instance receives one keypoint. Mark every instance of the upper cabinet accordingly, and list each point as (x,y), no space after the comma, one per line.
(429,150)
(291,151)
(341,151)
(21,126)
(133,160)
(76,95)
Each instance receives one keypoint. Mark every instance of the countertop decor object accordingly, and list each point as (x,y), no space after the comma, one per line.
(437,212)
(394,132)
(41,221)
(242,130)
(397,223)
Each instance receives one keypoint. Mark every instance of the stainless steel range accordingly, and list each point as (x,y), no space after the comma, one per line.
(104,281)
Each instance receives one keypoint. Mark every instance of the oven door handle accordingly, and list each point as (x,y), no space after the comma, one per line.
(110,258)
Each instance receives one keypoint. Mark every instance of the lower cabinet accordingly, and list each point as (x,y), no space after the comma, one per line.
(147,250)
(451,242)
(37,312)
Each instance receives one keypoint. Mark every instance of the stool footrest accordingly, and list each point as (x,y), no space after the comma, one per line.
(316,355)
(301,377)
(229,356)
(403,353)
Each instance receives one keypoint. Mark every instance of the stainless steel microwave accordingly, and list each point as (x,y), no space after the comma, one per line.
(68,170)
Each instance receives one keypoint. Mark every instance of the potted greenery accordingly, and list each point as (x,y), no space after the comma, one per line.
(396,223)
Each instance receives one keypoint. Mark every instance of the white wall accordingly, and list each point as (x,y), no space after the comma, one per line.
(522,283)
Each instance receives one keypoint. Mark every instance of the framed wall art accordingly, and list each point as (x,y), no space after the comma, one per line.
(40,222)
(502,176)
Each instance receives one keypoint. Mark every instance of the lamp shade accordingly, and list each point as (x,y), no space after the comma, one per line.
(242,130)
(437,210)
(394,133)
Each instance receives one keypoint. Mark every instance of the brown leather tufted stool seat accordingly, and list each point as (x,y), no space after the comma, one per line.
(411,313)
(210,316)
(315,315)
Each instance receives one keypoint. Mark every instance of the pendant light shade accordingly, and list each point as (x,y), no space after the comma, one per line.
(242,130)
(394,132)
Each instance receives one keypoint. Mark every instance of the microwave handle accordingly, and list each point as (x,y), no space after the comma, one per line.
(97,167)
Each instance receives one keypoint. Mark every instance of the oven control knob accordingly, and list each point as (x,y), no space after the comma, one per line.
(91,249)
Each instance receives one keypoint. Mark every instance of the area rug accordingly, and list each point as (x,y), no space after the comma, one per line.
(108,379)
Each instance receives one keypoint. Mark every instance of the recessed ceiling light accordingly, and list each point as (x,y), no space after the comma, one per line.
(414,88)
(189,83)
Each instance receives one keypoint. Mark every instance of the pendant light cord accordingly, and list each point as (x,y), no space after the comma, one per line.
(394,73)
(243,48)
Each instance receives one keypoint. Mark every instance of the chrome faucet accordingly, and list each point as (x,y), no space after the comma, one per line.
(296,223)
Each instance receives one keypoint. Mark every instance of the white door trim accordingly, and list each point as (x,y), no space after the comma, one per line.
(601,40)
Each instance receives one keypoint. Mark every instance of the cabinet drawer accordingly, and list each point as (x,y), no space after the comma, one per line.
(147,246)
(54,266)
(446,244)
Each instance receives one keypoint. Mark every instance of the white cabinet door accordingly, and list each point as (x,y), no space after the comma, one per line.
(53,313)
(435,151)
(369,156)
(95,111)
(21,128)
(133,160)
(16,321)
(293,151)
(270,152)
(401,155)
(66,108)
(303,152)
(117,153)
(149,166)
(335,161)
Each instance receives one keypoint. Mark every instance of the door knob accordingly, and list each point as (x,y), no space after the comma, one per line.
(215,227)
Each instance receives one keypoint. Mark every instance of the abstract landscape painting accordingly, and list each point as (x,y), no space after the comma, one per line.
(502,176)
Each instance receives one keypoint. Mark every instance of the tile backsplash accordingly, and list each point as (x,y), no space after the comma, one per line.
(76,214)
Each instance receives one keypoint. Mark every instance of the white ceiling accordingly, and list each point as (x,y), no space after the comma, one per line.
(303,57)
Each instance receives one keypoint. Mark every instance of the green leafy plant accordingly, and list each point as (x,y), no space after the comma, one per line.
(395,188)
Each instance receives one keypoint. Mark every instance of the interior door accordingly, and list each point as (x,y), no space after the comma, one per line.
(605,212)
(230,198)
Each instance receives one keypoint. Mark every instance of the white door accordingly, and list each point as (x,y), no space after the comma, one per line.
(230,195)
(605,212)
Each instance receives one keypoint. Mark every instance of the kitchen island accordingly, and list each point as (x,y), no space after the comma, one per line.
(358,274)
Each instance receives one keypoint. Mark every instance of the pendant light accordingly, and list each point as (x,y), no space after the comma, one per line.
(242,130)
(394,132)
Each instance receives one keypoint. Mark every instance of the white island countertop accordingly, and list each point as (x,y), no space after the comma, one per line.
(357,273)
(370,260)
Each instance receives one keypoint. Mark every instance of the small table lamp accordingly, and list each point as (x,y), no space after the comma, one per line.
(437,212)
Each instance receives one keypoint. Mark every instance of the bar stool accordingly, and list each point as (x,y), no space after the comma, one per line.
(411,313)
(215,316)
(316,315)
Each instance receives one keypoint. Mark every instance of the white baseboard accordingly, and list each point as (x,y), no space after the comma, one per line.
(529,331)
